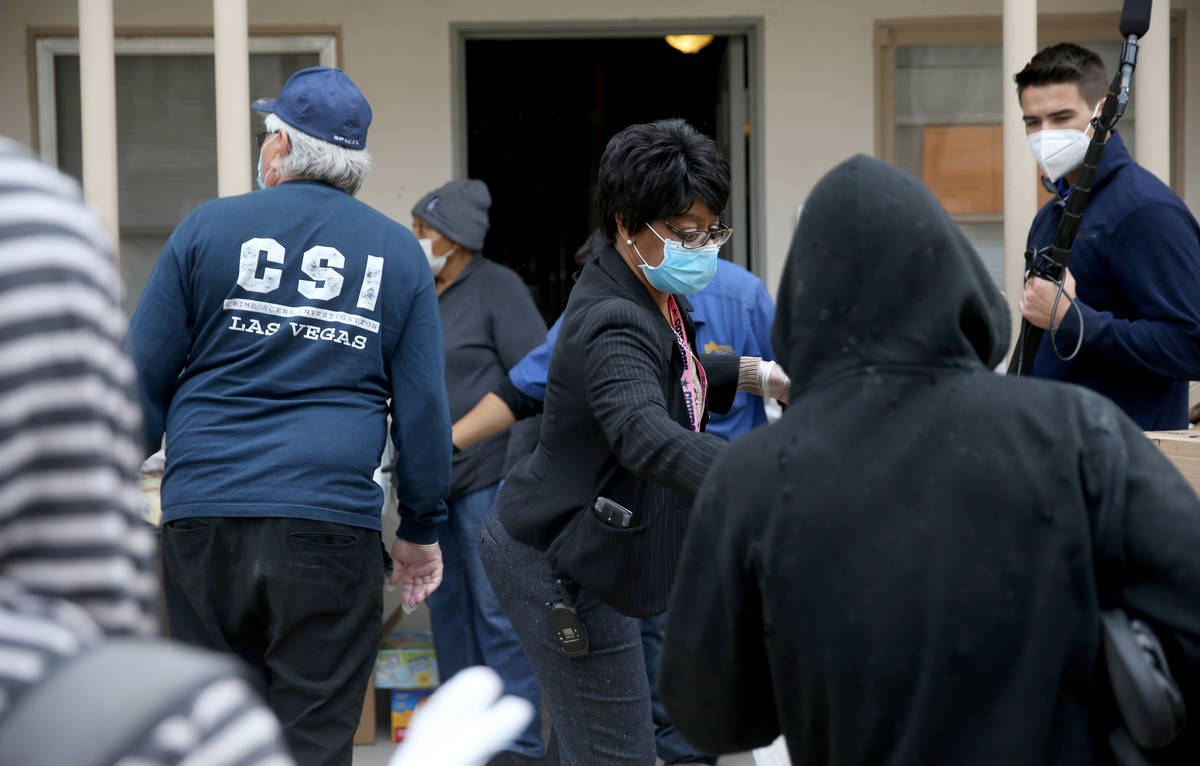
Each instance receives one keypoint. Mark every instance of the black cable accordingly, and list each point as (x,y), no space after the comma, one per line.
(1041,265)
(1054,312)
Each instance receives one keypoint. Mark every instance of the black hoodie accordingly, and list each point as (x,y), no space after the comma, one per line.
(909,568)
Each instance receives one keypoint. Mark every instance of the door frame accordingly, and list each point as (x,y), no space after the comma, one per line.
(750,29)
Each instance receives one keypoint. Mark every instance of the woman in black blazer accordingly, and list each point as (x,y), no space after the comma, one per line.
(585,533)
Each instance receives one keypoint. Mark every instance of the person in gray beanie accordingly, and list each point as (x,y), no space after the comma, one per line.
(451,222)
(459,209)
(489,322)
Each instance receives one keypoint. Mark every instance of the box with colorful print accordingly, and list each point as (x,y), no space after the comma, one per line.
(404,704)
(406,661)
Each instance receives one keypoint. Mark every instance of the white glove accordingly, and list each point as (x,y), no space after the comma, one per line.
(775,381)
(464,723)
(774,754)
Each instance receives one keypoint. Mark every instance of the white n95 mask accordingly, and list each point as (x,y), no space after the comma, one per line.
(1060,151)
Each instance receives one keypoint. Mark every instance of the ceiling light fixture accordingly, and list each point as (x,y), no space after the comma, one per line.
(688,43)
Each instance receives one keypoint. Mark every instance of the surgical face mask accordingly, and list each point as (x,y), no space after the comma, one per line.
(259,176)
(1060,151)
(682,271)
(436,262)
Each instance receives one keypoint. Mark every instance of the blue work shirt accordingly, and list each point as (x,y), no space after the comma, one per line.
(1136,263)
(733,315)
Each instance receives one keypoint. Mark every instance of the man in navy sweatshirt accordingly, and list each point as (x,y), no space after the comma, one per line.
(1135,265)
(277,332)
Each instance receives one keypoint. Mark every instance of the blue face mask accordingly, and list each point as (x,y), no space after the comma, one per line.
(258,177)
(682,271)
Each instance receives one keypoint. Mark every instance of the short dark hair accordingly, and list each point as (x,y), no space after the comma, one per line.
(1065,62)
(657,170)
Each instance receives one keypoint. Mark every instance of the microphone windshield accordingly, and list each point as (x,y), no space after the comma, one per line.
(1135,18)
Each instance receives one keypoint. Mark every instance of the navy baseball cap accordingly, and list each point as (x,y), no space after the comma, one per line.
(324,103)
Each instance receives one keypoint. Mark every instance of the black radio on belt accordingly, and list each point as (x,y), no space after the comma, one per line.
(571,635)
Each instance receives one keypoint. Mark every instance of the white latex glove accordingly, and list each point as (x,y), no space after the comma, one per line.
(774,754)
(777,384)
(154,464)
(464,723)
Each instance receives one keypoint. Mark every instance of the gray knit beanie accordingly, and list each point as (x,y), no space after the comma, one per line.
(459,210)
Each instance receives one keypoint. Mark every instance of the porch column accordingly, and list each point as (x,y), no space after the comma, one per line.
(98,110)
(1020,177)
(231,57)
(1152,86)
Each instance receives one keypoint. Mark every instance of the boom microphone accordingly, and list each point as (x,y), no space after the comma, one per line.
(1135,18)
(1135,21)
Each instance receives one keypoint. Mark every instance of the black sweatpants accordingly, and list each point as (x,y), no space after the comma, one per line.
(299,601)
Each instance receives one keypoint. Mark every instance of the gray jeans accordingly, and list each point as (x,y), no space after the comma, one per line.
(599,704)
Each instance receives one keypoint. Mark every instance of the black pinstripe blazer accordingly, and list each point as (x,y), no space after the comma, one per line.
(615,423)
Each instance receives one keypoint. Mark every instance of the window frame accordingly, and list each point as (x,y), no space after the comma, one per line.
(1083,28)
(46,44)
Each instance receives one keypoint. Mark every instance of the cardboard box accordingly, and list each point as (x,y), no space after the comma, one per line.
(406,661)
(404,704)
(151,501)
(365,733)
(1183,449)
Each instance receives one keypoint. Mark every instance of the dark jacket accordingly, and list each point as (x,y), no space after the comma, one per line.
(1136,263)
(615,423)
(489,322)
(907,568)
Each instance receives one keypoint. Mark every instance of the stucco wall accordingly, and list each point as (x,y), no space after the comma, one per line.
(818,79)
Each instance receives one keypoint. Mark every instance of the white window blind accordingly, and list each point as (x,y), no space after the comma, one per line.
(166,140)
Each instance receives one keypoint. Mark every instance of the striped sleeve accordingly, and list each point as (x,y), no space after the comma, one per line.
(223,724)
(75,556)
(69,419)
(36,634)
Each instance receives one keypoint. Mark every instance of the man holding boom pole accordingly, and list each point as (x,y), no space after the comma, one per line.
(1127,323)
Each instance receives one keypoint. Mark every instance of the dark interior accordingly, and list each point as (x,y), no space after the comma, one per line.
(539,113)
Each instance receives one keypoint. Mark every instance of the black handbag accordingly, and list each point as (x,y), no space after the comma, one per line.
(1147,697)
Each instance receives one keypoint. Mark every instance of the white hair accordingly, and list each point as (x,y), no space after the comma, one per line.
(312,157)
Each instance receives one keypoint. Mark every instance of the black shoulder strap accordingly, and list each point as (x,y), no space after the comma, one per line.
(124,686)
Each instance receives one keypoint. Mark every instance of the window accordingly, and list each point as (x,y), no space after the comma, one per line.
(940,98)
(166,126)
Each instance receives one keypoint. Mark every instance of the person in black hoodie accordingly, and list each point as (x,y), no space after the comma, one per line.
(911,565)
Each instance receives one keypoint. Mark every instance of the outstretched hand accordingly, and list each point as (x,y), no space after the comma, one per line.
(419,567)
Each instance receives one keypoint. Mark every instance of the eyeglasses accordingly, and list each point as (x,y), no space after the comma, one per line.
(693,239)
(262,137)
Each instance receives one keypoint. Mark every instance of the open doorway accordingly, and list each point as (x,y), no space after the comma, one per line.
(539,112)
